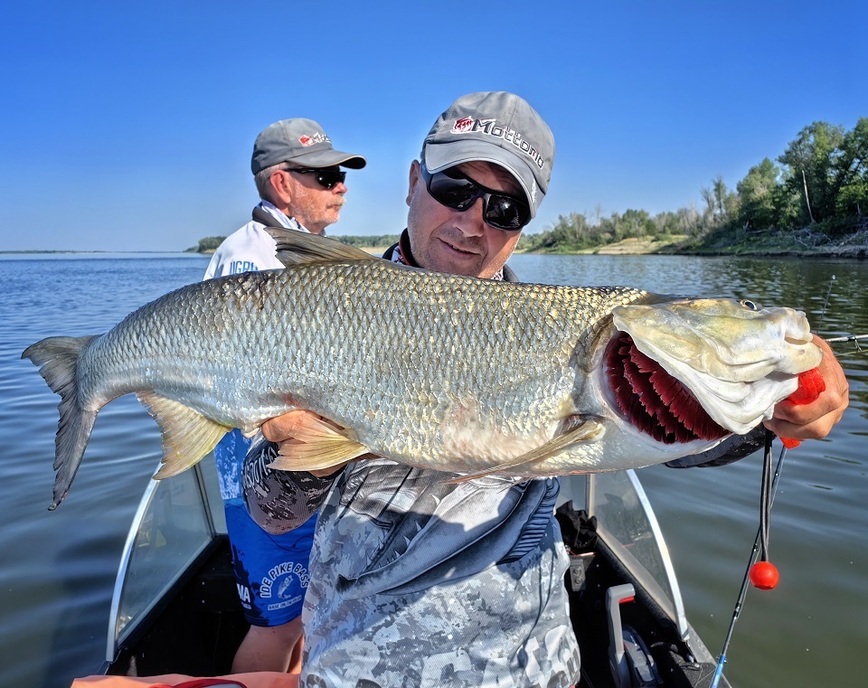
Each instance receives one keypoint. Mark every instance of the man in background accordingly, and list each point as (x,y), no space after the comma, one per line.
(301,186)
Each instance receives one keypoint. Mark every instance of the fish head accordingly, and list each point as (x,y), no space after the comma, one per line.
(735,358)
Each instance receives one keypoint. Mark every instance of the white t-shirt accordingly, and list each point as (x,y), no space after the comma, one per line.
(250,248)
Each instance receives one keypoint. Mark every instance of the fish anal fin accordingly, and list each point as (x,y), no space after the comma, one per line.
(574,430)
(296,248)
(187,435)
(317,444)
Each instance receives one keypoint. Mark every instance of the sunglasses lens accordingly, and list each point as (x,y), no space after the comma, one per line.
(326,177)
(458,194)
(330,177)
(507,213)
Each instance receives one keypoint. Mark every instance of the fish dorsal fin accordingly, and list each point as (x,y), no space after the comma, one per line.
(187,435)
(580,430)
(317,444)
(296,248)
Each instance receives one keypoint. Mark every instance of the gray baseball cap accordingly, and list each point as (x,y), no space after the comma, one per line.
(301,142)
(496,127)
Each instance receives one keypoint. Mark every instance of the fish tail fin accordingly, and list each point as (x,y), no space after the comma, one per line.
(57,358)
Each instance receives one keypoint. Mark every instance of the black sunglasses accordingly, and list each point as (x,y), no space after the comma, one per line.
(326,177)
(456,190)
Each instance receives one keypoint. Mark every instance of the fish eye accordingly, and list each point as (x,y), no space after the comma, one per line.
(750,305)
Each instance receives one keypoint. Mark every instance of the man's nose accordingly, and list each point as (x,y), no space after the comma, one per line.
(470,221)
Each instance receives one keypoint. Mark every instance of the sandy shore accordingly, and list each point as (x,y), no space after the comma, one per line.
(852,246)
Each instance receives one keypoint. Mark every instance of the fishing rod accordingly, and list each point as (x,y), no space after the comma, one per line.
(762,574)
(849,338)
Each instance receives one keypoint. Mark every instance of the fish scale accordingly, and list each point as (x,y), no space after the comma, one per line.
(454,373)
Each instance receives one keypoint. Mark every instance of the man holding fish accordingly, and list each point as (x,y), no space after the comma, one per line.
(417,579)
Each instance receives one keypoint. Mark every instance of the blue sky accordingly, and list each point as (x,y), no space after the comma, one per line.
(129,126)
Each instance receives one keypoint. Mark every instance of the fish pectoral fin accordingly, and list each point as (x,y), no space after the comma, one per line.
(187,435)
(578,430)
(317,444)
(296,248)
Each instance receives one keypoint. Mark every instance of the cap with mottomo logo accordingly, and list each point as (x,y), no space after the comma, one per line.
(497,127)
(301,142)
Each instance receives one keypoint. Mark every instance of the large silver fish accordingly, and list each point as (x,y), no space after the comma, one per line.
(454,373)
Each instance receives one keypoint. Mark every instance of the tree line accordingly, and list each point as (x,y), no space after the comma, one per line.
(820,181)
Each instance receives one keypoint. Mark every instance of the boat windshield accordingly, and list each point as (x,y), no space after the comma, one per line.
(180,517)
(628,526)
(174,524)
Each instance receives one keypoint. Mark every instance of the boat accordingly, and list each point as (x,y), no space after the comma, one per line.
(175,608)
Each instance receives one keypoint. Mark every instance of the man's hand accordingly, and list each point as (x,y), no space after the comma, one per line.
(816,419)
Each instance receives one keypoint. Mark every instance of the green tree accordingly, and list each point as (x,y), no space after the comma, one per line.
(688,221)
(811,160)
(721,205)
(666,223)
(759,194)
(569,233)
(637,223)
(209,243)
(851,173)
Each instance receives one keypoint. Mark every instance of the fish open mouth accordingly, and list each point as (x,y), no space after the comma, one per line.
(654,401)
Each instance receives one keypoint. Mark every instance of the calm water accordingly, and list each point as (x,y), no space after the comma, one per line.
(58,568)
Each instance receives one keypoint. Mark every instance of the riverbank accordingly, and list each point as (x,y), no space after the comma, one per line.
(802,244)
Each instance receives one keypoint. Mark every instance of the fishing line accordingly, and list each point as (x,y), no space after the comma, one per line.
(763,574)
(828,292)
(847,338)
(760,544)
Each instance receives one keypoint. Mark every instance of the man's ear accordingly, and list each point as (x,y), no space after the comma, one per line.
(415,178)
(279,181)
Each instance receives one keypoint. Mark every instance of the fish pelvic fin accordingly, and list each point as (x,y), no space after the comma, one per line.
(187,435)
(317,444)
(57,358)
(577,429)
(297,248)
